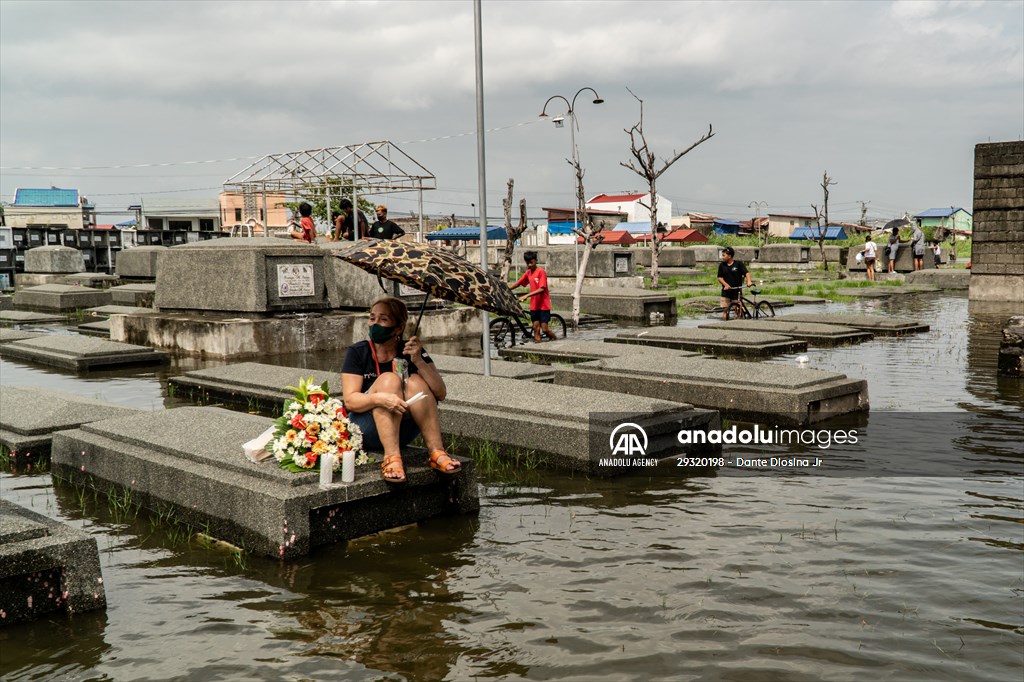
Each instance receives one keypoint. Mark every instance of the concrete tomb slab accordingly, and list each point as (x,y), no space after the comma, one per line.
(60,297)
(54,259)
(455,364)
(136,294)
(713,341)
(670,271)
(45,567)
(190,459)
(27,317)
(7,335)
(82,353)
(709,303)
(630,304)
(30,416)
(795,254)
(814,334)
(100,329)
(705,254)
(670,257)
(888,325)
(351,287)
(108,310)
(571,351)
(256,385)
(245,275)
(741,390)
(560,424)
(943,278)
(25,280)
(139,262)
(601,283)
(97,280)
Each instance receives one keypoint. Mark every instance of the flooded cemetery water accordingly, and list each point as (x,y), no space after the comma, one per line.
(714,578)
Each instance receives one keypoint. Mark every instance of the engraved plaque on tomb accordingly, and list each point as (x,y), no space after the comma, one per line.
(295,279)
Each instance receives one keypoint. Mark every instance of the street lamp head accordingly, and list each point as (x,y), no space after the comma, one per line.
(598,101)
(558,121)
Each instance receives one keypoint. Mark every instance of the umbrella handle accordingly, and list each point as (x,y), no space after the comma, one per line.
(423,307)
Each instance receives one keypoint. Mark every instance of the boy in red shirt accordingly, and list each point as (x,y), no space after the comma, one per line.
(540,299)
(308,228)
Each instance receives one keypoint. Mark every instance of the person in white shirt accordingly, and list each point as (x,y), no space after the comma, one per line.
(870,252)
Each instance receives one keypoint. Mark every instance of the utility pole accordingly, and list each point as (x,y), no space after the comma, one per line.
(863,212)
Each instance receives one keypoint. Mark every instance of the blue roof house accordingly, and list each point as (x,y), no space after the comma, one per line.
(951,218)
(53,206)
(726,227)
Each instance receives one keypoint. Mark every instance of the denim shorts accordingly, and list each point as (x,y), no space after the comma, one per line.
(407,430)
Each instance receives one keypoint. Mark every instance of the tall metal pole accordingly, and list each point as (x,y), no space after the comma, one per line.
(575,188)
(355,210)
(419,237)
(481,172)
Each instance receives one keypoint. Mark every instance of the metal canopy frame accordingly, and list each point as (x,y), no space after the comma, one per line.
(367,168)
(374,167)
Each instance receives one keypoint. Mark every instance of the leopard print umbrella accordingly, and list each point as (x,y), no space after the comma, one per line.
(435,271)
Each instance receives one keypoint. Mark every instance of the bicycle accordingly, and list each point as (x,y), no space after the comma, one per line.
(745,308)
(503,330)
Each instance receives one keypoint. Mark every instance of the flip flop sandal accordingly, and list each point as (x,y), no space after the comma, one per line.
(443,462)
(392,470)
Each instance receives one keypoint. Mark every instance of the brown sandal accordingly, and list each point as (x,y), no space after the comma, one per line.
(443,462)
(392,470)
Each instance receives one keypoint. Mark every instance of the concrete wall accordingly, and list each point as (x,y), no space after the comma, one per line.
(997,258)
(23,216)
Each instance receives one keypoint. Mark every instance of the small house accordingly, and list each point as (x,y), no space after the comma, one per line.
(783,224)
(634,205)
(957,219)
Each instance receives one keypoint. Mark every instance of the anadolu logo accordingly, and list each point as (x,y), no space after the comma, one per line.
(628,439)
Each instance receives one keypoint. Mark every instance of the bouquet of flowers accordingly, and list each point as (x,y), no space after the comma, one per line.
(314,424)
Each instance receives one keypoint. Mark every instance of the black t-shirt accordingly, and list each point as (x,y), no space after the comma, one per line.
(346,225)
(385,229)
(359,360)
(734,275)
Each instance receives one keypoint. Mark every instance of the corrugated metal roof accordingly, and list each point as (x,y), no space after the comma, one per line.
(831,232)
(46,197)
(467,233)
(603,198)
(940,212)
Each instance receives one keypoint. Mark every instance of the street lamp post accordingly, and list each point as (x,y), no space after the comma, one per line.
(571,113)
(756,205)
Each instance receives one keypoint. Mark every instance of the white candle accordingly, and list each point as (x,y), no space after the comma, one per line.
(348,466)
(326,469)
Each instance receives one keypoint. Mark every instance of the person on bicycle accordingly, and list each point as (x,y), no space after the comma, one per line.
(731,275)
(540,299)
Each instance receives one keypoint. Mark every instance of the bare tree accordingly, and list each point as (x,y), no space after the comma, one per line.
(646,167)
(591,235)
(514,233)
(826,182)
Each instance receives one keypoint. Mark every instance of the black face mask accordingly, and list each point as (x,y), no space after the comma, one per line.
(379,333)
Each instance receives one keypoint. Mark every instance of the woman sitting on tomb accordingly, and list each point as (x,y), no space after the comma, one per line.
(381,378)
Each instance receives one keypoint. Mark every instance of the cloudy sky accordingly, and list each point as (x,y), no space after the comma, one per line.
(888,97)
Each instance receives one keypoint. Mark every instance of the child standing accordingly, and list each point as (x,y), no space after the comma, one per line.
(937,250)
(540,298)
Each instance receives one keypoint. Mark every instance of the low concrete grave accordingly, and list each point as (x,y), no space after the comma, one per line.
(670,257)
(571,351)
(24,280)
(889,325)
(685,272)
(108,310)
(139,262)
(814,334)
(602,262)
(100,329)
(713,341)
(190,459)
(741,390)
(708,303)
(136,294)
(54,259)
(96,280)
(706,254)
(353,288)
(454,364)
(836,255)
(943,278)
(45,567)
(7,335)
(60,297)
(26,317)
(559,425)
(82,354)
(30,416)
(627,304)
(597,282)
(789,254)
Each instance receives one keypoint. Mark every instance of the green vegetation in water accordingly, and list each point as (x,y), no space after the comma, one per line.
(509,466)
(14,462)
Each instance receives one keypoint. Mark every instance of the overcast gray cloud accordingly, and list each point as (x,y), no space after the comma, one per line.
(890,98)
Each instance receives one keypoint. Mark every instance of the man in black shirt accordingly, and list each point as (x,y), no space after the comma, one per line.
(384,228)
(731,275)
(343,223)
